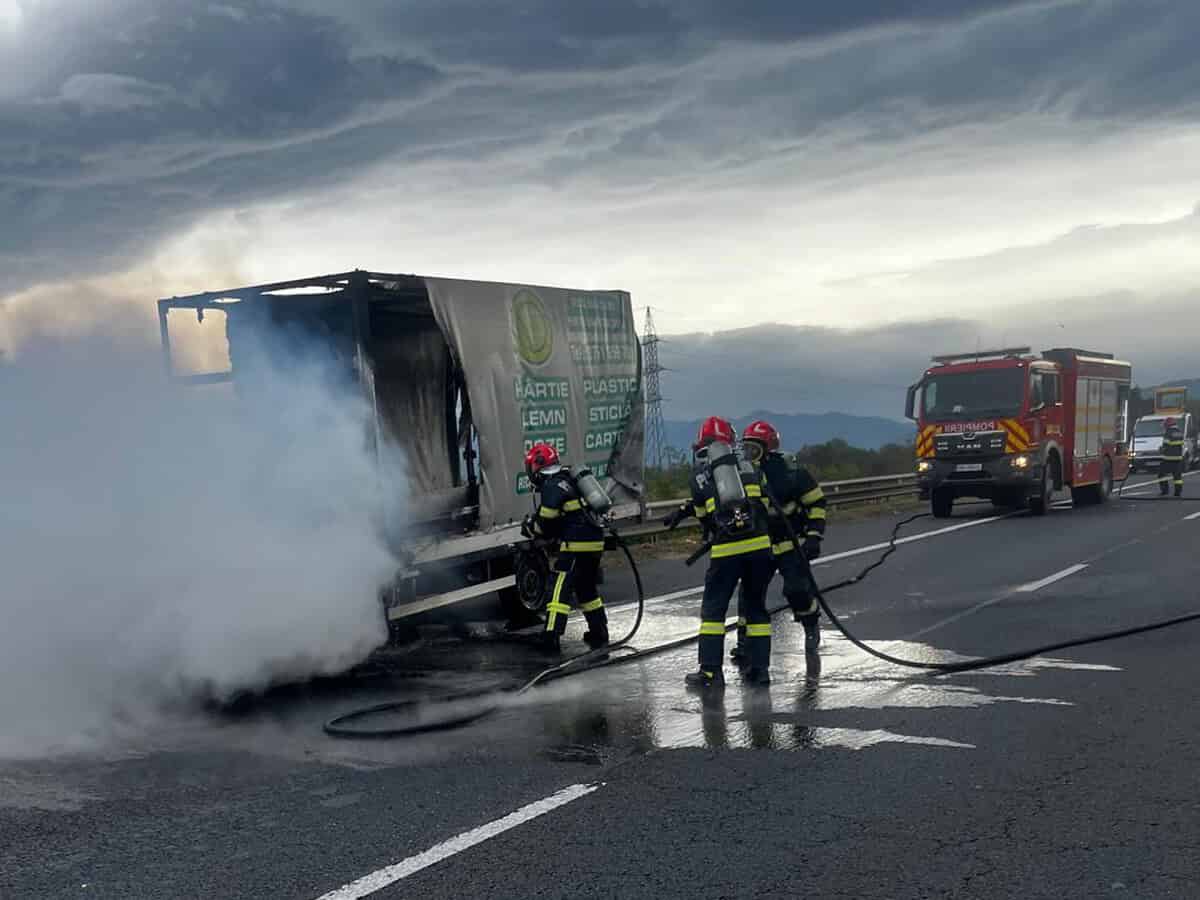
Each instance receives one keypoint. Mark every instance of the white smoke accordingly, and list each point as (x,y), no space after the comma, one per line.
(159,542)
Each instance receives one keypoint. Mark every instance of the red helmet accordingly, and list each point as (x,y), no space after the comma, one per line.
(763,433)
(540,456)
(714,428)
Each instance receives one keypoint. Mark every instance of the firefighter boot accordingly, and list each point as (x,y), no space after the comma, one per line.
(1164,485)
(812,632)
(756,677)
(548,642)
(704,680)
(738,655)
(597,634)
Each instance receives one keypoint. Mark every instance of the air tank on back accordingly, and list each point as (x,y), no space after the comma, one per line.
(726,474)
(593,493)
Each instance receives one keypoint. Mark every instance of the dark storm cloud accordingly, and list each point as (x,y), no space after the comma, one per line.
(122,123)
(786,369)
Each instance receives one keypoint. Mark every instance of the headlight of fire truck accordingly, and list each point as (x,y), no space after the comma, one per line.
(924,466)
(1021,462)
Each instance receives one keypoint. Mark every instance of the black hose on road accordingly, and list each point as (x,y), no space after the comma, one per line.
(339,725)
(970,665)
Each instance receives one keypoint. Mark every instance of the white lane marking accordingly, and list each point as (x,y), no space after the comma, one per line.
(1142,487)
(848,554)
(1192,516)
(1050,579)
(381,878)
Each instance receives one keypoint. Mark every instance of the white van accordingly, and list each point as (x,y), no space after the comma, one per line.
(1146,453)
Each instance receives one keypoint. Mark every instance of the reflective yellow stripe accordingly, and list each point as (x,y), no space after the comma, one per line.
(583,547)
(547,513)
(815,534)
(592,605)
(780,549)
(817,512)
(554,607)
(711,504)
(736,548)
(572,506)
(753,490)
(762,629)
(712,628)
(790,508)
(813,496)
(700,513)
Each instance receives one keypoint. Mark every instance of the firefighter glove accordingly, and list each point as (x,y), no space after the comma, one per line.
(527,526)
(812,546)
(672,521)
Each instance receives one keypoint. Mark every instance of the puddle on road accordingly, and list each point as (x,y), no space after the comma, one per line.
(636,707)
(646,705)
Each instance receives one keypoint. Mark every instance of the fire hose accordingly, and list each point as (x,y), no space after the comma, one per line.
(339,726)
(593,659)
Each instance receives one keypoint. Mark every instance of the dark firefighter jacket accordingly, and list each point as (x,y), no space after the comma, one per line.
(726,541)
(1172,445)
(802,498)
(561,516)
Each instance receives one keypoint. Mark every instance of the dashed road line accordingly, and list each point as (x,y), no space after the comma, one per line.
(849,554)
(1050,579)
(381,878)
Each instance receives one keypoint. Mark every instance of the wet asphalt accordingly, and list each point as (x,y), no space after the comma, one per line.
(1076,775)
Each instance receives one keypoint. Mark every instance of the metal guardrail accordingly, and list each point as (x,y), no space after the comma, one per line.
(837,493)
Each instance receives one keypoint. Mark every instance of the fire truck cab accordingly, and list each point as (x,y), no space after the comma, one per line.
(1013,427)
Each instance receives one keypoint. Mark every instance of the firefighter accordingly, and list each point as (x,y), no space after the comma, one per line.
(804,504)
(727,499)
(1172,455)
(563,517)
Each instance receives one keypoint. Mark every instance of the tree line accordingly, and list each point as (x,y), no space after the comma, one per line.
(833,460)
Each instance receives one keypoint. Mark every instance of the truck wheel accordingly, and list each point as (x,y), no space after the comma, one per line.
(1104,489)
(942,504)
(1040,502)
(523,603)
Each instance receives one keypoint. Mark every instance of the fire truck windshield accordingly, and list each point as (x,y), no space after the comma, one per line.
(953,396)
(1148,428)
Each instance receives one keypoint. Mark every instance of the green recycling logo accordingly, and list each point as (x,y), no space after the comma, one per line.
(533,332)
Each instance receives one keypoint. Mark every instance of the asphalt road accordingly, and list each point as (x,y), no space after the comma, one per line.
(1074,776)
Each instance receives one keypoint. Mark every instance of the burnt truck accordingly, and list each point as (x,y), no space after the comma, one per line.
(462,378)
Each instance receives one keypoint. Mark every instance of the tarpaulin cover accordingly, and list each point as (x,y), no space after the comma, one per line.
(545,364)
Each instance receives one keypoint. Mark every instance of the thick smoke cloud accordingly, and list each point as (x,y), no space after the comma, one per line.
(162,543)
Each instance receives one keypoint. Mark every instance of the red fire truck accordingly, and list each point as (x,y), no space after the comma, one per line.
(1013,427)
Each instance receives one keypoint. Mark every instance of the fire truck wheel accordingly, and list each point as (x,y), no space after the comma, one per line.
(1039,504)
(942,504)
(1104,488)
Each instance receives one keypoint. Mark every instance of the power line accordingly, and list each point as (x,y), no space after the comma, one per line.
(656,432)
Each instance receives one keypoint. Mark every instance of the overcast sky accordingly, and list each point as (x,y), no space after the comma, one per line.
(884,179)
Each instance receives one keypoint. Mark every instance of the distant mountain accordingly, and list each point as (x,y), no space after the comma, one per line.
(800,429)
